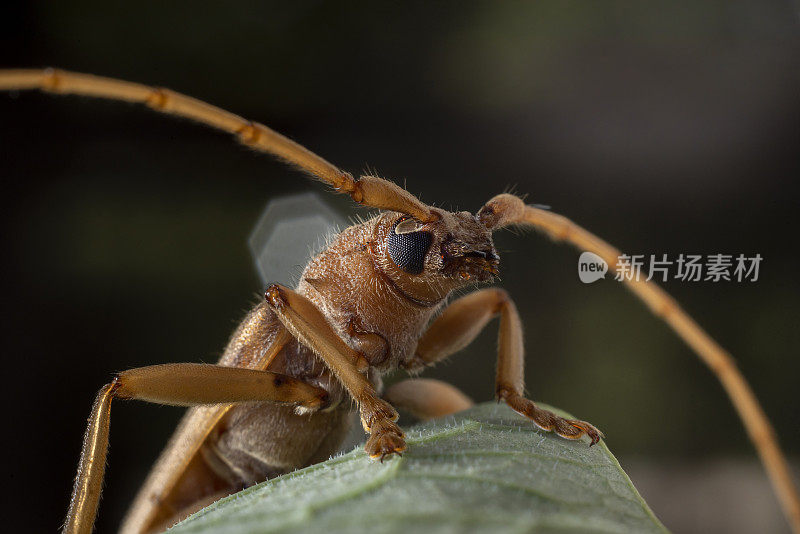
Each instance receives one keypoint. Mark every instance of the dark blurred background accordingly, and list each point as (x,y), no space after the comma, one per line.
(667,127)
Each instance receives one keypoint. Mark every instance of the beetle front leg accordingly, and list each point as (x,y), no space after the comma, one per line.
(378,417)
(460,324)
(306,323)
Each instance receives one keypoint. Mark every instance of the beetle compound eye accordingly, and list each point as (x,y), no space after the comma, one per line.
(408,250)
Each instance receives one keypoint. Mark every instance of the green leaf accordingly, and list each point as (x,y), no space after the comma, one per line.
(483,470)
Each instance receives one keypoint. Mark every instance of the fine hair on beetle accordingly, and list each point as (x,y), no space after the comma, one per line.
(374,300)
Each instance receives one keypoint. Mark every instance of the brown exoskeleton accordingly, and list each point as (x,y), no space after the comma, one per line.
(375,300)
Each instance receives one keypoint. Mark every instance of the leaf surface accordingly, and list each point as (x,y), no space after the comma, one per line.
(484,470)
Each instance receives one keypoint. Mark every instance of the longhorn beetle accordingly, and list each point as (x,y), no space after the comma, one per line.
(373,301)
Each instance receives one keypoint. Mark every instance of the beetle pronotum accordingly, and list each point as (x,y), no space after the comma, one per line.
(304,350)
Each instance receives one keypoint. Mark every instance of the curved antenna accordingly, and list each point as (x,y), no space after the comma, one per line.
(505,210)
(370,191)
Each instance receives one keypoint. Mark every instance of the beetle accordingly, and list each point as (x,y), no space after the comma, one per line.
(375,300)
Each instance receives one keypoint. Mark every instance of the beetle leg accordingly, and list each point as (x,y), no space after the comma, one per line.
(460,324)
(426,398)
(306,323)
(180,384)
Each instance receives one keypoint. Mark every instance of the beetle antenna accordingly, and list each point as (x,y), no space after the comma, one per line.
(369,191)
(506,210)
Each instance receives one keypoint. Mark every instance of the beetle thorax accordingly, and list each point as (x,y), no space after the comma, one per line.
(380,282)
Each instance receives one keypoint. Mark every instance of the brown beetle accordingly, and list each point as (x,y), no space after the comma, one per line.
(375,300)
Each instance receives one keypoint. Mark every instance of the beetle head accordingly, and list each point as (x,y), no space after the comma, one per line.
(431,259)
